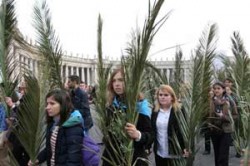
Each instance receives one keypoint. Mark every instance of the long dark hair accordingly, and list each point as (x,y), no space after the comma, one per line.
(63,98)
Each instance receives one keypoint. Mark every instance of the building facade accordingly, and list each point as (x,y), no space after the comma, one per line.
(86,68)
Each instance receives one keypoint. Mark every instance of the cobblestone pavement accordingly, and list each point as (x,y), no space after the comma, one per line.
(200,159)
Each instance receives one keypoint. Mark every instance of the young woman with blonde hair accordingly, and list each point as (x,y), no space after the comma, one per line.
(165,125)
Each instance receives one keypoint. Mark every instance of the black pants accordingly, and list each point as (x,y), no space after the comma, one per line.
(159,161)
(108,153)
(221,143)
(207,140)
(18,151)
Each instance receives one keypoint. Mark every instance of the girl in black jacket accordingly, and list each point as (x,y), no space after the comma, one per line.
(141,132)
(64,132)
(165,125)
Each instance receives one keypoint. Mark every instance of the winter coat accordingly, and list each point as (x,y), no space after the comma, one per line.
(80,102)
(68,151)
(226,122)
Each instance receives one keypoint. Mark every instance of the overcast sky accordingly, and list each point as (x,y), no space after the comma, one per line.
(76,23)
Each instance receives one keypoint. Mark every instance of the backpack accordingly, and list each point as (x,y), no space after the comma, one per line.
(90,149)
(90,152)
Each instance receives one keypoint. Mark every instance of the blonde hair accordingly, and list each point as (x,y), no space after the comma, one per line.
(168,89)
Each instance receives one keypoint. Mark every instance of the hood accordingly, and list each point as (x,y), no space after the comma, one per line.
(74,119)
(118,104)
(143,107)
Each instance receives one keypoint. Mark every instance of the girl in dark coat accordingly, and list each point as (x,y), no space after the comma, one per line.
(141,133)
(165,125)
(64,132)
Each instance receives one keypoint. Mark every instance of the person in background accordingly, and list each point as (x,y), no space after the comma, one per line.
(206,129)
(3,124)
(165,124)
(221,124)
(234,104)
(3,132)
(141,132)
(228,83)
(16,146)
(64,134)
(82,86)
(80,101)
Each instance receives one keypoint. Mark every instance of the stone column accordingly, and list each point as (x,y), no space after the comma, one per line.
(62,71)
(31,65)
(77,71)
(83,74)
(168,74)
(95,75)
(35,68)
(71,70)
(88,76)
(185,75)
(66,72)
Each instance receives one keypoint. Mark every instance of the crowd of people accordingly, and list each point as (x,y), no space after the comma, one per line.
(69,119)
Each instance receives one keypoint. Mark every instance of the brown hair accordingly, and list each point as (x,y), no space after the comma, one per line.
(111,93)
(169,89)
(66,106)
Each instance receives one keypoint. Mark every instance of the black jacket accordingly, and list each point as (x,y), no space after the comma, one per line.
(140,147)
(80,102)
(173,127)
(68,146)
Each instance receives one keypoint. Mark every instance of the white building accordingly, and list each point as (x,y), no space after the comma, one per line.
(86,67)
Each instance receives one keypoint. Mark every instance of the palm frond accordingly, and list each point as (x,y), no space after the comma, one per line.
(10,21)
(151,80)
(31,116)
(134,65)
(238,69)
(196,99)
(162,76)
(48,43)
(137,51)
(241,69)
(209,55)
(103,73)
(245,116)
(177,81)
(8,63)
(191,104)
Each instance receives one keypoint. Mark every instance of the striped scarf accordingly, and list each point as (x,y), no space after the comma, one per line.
(53,144)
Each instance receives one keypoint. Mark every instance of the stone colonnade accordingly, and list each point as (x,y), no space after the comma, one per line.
(86,73)
(86,68)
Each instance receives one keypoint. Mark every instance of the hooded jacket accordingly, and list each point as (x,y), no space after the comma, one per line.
(68,143)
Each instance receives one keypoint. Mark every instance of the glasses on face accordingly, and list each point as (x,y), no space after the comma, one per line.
(161,94)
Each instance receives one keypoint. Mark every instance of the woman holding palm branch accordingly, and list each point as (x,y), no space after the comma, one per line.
(141,133)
